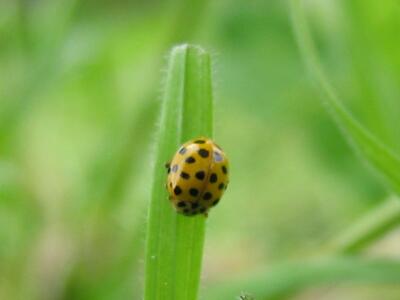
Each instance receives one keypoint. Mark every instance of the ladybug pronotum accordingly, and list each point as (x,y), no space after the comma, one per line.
(197,176)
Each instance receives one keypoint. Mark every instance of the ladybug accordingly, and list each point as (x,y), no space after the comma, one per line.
(197,176)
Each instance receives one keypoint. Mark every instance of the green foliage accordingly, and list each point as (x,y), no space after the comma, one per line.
(80,82)
(384,160)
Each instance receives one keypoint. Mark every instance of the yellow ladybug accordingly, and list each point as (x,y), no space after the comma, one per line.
(197,176)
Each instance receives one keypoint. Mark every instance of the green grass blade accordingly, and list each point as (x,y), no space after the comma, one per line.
(175,242)
(370,227)
(367,145)
(286,279)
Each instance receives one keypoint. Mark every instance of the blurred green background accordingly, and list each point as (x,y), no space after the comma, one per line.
(80,90)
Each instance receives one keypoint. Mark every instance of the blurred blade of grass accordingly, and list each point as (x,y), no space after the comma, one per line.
(175,242)
(41,68)
(23,29)
(186,16)
(96,210)
(113,278)
(373,225)
(20,221)
(368,146)
(115,162)
(286,279)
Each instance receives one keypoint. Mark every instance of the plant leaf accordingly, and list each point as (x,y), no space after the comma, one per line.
(175,242)
(369,228)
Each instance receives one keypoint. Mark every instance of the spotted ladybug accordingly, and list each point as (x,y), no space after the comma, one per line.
(197,176)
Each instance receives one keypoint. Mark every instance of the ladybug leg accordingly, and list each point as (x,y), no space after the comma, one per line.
(206,214)
(168,167)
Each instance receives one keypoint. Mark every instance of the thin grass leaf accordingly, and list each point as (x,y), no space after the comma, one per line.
(284,280)
(368,146)
(175,242)
(370,227)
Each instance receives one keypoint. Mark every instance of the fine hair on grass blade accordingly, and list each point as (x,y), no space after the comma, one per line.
(174,244)
(368,146)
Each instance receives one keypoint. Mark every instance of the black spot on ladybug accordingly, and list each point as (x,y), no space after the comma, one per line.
(217,156)
(199,142)
(177,190)
(181,204)
(185,175)
(213,178)
(203,153)
(221,186)
(215,202)
(182,150)
(200,175)
(207,196)
(224,169)
(174,168)
(190,160)
(194,192)
(195,205)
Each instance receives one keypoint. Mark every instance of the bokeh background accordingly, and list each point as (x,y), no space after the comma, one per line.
(80,90)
